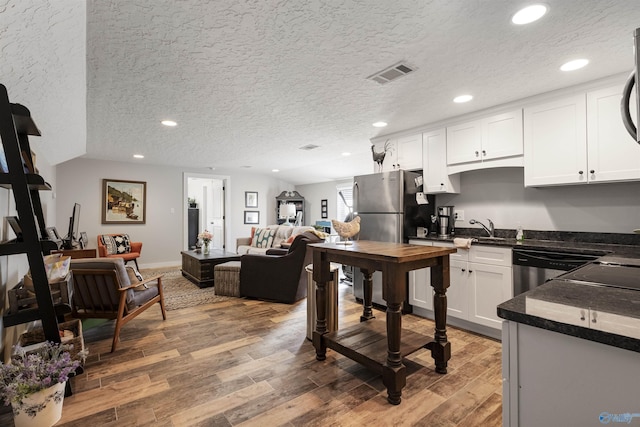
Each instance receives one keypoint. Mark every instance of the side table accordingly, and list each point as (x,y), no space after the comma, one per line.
(198,266)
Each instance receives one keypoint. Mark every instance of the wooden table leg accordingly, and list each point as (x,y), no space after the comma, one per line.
(394,374)
(441,348)
(367,300)
(321,275)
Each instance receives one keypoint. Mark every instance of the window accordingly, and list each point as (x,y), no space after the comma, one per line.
(343,210)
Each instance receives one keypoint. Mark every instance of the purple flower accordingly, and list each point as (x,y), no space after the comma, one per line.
(28,373)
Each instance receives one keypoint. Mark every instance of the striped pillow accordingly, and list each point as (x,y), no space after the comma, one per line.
(263,238)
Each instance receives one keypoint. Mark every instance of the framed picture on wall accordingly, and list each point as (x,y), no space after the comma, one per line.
(251,217)
(250,199)
(323,208)
(124,202)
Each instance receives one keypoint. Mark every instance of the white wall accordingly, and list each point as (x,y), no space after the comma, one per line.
(44,68)
(313,194)
(499,194)
(80,180)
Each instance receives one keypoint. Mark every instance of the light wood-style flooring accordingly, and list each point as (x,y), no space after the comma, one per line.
(244,362)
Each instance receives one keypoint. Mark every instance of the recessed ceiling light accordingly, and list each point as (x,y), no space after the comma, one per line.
(379,124)
(138,156)
(346,154)
(462,98)
(169,123)
(529,14)
(574,65)
(275,170)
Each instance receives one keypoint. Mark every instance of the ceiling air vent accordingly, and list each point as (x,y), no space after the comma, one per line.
(392,73)
(309,147)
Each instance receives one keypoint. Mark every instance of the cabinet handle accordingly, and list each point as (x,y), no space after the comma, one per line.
(484,153)
(477,154)
(463,270)
(592,171)
(442,184)
(580,172)
(470,271)
(582,315)
(593,317)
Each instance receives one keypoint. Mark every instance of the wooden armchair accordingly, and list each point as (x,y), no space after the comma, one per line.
(103,289)
(132,255)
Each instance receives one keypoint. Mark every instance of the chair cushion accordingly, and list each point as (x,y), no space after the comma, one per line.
(116,264)
(263,238)
(142,295)
(117,243)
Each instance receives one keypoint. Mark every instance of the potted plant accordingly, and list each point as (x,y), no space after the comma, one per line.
(33,383)
(192,202)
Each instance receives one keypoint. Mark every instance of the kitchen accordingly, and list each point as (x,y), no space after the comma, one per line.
(594,212)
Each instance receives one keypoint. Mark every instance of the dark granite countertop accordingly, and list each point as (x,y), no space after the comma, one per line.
(626,245)
(614,248)
(613,300)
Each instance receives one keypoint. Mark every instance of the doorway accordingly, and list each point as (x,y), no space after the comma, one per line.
(205,208)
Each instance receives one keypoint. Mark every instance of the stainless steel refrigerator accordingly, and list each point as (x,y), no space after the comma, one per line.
(389,212)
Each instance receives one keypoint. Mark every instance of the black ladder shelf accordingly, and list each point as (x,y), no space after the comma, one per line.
(21,178)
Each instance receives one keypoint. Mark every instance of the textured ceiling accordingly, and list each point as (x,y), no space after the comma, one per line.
(250,82)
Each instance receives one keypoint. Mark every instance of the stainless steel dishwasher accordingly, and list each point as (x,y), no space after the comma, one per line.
(533,267)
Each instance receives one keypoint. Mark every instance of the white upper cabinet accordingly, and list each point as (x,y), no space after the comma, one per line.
(464,142)
(578,140)
(487,139)
(401,153)
(612,154)
(434,160)
(502,135)
(409,152)
(555,138)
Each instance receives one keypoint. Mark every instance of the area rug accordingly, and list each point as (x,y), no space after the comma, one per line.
(180,292)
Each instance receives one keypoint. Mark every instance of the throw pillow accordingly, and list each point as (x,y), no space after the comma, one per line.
(290,239)
(134,275)
(263,238)
(117,244)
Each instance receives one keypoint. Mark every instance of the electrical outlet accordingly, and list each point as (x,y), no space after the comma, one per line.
(459,215)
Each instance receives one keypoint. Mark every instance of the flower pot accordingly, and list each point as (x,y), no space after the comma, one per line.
(40,409)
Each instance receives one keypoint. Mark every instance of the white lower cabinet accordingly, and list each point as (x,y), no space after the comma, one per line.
(554,379)
(420,290)
(480,280)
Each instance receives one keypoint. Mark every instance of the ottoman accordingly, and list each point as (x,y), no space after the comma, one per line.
(226,278)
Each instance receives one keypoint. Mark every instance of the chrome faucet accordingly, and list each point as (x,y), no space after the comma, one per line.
(489,230)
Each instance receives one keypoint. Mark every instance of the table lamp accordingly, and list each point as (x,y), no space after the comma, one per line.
(290,211)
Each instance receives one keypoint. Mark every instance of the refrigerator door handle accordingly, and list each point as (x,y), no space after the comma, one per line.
(356,198)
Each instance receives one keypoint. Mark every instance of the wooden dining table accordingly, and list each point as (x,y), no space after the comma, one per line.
(381,346)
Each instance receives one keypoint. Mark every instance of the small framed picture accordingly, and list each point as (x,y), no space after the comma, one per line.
(323,208)
(250,199)
(251,217)
(84,240)
(53,235)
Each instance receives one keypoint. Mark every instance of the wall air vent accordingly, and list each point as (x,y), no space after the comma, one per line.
(309,147)
(391,73)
